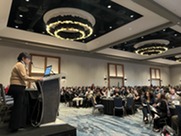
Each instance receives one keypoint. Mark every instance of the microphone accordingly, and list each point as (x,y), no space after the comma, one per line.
(53,72)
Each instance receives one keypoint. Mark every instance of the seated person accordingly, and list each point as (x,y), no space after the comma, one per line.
(173,98)
(116,92)
(88,97)
(137,97)
(162,111)
(103,92)
(108,92)
(78,99)
(147,100)
(129,93)
(97,94)
(68,96)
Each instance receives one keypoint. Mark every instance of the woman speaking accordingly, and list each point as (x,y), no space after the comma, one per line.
(19,76)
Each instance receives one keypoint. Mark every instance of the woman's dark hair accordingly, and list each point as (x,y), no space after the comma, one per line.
(150,94)
(23,55)
(163,96)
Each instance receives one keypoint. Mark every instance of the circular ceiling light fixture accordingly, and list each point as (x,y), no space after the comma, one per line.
(178,58)
(151,47)
(69,23)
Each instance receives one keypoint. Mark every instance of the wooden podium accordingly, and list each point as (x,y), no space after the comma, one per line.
(46,105)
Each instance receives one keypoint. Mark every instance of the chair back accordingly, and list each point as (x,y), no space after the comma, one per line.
(178,109)
(118,102)
(2,93)
(168,110)
(6,99)
(129,102)
(93,101)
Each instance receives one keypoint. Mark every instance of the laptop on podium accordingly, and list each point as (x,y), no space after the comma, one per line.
(48,71)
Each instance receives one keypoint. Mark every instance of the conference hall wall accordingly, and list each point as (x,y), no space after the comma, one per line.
(175,72)
(82,71)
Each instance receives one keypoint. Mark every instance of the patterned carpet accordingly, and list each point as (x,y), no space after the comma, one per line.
(104,125)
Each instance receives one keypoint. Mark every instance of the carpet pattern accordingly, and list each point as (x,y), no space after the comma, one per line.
(88,124)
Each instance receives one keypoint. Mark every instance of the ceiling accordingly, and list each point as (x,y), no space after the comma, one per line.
(120,24)
(109,15)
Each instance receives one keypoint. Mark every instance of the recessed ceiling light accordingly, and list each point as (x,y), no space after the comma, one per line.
(27,0)
(17,26)
(164,30)
(43,32)
(20,15)
(142,37)
(110,27)
(95,35)
(175,34)
(109,6)
(131,16)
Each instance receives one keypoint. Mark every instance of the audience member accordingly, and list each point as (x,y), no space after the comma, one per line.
(147,100)
(144,97)
(173,98)
(161,111)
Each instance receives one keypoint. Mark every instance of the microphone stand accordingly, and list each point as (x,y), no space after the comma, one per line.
(53,72)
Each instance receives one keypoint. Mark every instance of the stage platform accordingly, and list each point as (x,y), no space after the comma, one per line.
(51,129)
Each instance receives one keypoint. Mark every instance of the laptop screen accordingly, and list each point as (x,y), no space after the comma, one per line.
(48,70)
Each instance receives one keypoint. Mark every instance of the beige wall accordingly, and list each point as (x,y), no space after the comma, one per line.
(175,72)
(82,71)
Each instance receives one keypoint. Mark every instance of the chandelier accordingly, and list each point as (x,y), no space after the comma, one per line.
(178,58)
(151,47)
(69,23)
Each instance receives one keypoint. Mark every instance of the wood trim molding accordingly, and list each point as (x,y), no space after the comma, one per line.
(116,73)
(155,75)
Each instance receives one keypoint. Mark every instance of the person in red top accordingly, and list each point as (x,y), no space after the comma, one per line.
(6,89)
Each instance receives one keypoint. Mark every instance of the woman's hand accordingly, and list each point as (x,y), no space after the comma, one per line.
(39,79)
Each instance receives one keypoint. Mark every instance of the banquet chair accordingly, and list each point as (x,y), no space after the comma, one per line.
(178,126)
(150,114)
(6,99)
(98,107)
(118,105)
(130,107)
(5,106)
